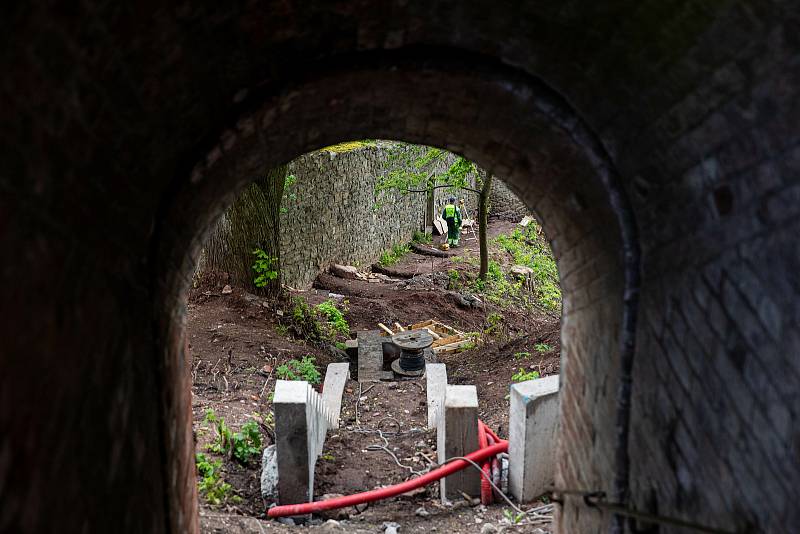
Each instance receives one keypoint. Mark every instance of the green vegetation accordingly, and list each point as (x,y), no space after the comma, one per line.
(521,355)
(542,348)
(211,486)
(349,145)
(494,321)
(242,446)
(390,257)
(422,238)
(289,195)
(513,517)
(453,279)
(335,322)
(265,268)
(522,375)
(529,249)
(324,322)
(302,369)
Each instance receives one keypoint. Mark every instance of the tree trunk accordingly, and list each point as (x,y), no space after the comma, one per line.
(252,222)
(483,218)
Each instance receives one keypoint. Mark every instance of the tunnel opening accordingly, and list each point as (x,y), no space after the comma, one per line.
(552,162)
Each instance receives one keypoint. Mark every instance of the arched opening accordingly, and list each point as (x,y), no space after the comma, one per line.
(551,161)
(108,110)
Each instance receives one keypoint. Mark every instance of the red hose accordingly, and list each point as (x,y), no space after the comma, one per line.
(486,488)
(488,497)
(391,491)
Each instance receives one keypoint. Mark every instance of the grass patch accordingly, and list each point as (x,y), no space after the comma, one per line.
(528,248)
(422,238)
(390,257)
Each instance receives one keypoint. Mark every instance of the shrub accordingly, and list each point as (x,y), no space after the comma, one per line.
(334,317)
(542,348)
(521,355)
(265,268)
(303,369)
(323,322)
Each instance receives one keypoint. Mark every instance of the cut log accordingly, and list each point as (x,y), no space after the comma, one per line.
(427,251)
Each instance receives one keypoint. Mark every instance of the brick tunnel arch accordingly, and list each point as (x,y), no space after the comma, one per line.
(550,159)
(108,109)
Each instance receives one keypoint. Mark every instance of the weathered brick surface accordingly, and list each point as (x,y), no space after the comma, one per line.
(126,131)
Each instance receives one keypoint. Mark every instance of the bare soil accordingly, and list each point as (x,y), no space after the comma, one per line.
(237,342)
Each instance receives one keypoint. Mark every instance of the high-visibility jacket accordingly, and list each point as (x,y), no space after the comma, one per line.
(451,212)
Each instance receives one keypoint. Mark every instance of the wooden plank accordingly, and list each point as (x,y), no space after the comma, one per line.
(433,334)
(385,329)
(452,347)
(447,340)
(398,325)
(423,324)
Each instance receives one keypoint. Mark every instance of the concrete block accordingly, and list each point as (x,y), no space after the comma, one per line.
(333,388)
(292,442)
(533,424)
(436,382)
(301,422)
(457,435)
(370,356)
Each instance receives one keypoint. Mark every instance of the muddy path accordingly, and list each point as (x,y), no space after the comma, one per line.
(237,341)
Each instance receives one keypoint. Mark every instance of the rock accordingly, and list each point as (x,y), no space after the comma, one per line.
(227,289)
(421,445)
(337,296)
(344,271)
(331,525)
(422,512)
(338,513)
(521,271)
(286,521)
(488,528)
(269,474)
(391,528)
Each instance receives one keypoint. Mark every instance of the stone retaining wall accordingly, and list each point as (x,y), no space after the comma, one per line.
(333,215)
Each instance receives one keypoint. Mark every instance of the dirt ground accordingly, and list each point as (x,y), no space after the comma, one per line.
(237,341)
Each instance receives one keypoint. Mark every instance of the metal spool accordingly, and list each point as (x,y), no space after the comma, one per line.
(412,346)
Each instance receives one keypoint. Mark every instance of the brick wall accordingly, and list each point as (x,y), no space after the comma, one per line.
(126,131)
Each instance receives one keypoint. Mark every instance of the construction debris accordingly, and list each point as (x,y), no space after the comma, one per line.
(526,220)
(445,338)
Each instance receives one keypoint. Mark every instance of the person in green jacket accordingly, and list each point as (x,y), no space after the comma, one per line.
(452,215)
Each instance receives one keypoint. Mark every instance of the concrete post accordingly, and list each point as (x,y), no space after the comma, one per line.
(436,382)
(333,388)
(457,435)
(301,422)
(291,440)
(533,423)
